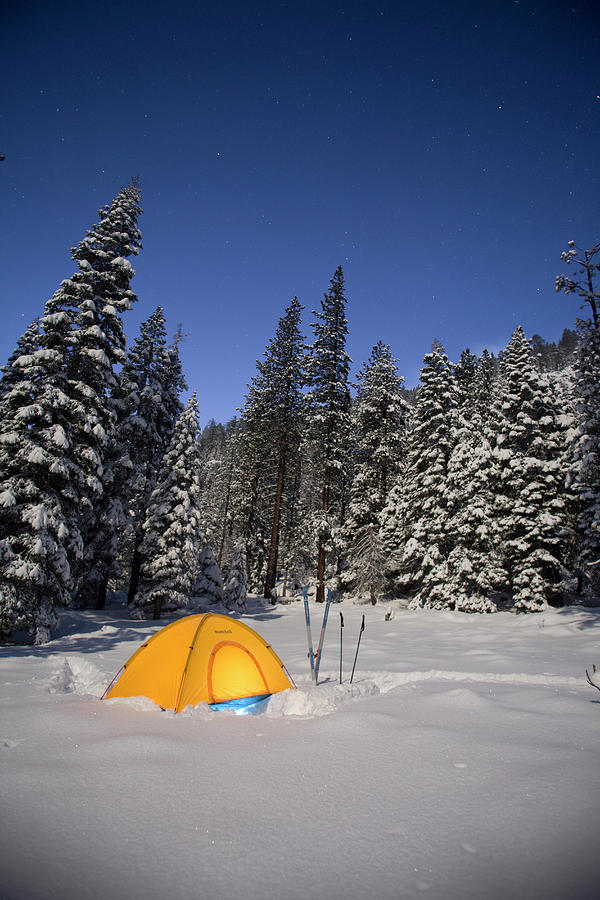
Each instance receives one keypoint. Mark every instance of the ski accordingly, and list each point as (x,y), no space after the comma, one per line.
(322,635)
(309,636)
(362,628)
(341,641)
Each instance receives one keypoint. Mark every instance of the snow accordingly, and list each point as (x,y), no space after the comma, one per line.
(461,763)
(120,263)
(59,437)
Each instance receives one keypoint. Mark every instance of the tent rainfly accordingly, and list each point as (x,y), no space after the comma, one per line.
(206,658)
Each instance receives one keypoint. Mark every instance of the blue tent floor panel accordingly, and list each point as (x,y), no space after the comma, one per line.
(242,705)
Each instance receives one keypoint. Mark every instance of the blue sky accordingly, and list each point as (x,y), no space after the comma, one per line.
(443,154)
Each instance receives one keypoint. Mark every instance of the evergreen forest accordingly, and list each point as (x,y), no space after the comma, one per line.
(477,491)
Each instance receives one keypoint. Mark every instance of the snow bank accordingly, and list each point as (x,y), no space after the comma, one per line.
(76,674)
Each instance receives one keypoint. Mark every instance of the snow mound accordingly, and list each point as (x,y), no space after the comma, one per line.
(143,704)
(318,701)
(77,675)
(327,697)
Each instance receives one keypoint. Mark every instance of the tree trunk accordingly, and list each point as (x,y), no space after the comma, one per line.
(275,527)
(225,516)
(320,597)
(102,592)
(290,532)
(136,568)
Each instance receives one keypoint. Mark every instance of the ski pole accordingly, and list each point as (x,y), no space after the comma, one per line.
(308,635)
(322,635)
(362,628)
(341,634)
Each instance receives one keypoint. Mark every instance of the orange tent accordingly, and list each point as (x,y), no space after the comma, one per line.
(205,658)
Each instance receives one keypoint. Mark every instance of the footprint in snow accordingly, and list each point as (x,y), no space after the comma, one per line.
(9,744)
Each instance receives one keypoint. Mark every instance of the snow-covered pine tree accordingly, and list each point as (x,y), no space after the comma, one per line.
(466,373)
(100,292)
(552,357)
(329,416)
(298,549)
(485,384)
(27,344)
(213,443)
(585,450)
(38,502)
(44,476)
(253,474)
(583,283)
(236,582)
(531,507)
(151,383)
(274,407)
(473,566)
(57,422)
(90,305)
(379,420)
(367,573)
(99,352)
(217,494)
(415,533)
(172,530)
(208,585)
(266,447)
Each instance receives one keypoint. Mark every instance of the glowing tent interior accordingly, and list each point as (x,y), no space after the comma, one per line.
(206,658)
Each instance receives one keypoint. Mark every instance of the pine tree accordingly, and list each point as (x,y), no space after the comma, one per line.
(105,527)
(273,411)
(43,480)
(379,417)
(99,350)
(583,283)
(251,479)
(367,574)
(208,585)
(485,385)
(530,498)
(235,588)
(415,533)
(265,448)
(172,530)
(474,570)
(584,473)
(27,344)
(466,373)
(585,450)
(151,382)
(57,422)
(298,545)
(329,412)
(213,452)
(218,494)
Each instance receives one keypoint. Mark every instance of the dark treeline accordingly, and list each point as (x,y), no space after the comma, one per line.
(477,490)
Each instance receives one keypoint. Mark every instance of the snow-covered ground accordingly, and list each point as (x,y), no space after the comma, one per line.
(464,762)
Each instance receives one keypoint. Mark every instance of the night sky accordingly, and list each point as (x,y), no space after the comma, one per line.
(442,153)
